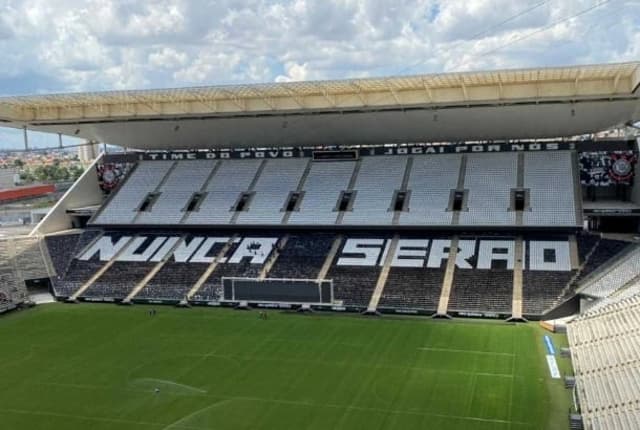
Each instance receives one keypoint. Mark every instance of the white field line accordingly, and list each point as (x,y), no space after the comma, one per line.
(467,351)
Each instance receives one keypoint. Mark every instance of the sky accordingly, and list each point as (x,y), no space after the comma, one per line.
(74,45)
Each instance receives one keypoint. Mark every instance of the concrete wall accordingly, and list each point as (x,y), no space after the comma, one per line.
(84,192)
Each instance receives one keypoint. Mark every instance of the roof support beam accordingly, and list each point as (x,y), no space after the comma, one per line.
(211,104)
(359,93)
(427,89)
(265,98)
(393,93)
(296,99)
(327,96)
(575,83)
(464,90)
(240,103)
(616,81)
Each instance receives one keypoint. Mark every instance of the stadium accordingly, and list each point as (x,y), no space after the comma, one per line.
(441,251)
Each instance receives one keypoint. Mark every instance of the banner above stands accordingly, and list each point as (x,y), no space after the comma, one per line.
(334,154)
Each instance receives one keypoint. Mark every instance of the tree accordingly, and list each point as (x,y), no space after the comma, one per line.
(18,163)
(75,171)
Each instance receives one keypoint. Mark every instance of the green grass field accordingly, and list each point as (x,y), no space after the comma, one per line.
(97,366)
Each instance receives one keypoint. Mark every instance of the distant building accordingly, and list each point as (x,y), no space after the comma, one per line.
(87,153)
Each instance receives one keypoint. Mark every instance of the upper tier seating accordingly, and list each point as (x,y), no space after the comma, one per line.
(223,190)
(123,207)
(490,179)
(321,191)
(168,188)
(170,206)
(551,200)
(378,179)
(278,178)
(431,181)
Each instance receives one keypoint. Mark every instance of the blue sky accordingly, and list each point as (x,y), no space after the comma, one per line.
(74,45)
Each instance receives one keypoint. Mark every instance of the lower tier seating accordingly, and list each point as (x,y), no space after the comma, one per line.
(541,289)
(302,257)
(76,275)
(173,281)
(58,247)
(211,290)
(482,291)
(353,286)
(605,250)
(412,288)
(354,270)
(119,280)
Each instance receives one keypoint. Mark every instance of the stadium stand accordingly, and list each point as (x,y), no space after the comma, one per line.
(12,288)
(118,281)
(490,179)
(605,346)
(278,178)
(248,197)
(543,288)
(625,270)
(230,179)
(409,288)
(176,278)
(431,181)
(173,281)
(378,179)
(482,282)
(551,201)
(601,251)
(124,207)
(257,191)
(321,189)
(30,260)
(58,246)
(78,272)
(302,257)
(482,291)
(171,205)
(353,286)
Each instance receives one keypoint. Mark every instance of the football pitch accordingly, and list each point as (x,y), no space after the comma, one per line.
(112,367)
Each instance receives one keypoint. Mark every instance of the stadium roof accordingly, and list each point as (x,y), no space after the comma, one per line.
(522,103)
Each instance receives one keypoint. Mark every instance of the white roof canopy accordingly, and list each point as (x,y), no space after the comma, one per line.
(277,114)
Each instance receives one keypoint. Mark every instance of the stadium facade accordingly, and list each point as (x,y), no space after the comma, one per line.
(464,194)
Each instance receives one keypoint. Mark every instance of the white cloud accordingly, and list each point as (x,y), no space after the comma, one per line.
(167,58)
(75,45)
